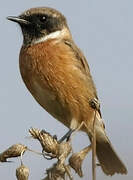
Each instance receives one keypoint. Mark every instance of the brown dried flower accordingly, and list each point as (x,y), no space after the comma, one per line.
(13,151)
(22,173)
(76,160)
(64,149)
(48,143)
(58,172)
(51,145)
(53,148)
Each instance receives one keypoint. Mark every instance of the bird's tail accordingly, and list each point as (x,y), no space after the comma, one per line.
(108,159)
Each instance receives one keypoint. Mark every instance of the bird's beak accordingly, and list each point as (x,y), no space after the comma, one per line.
(18,20)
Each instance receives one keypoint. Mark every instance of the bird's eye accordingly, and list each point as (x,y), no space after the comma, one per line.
(43,19)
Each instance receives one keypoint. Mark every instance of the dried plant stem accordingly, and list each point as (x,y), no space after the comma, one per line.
(83,124)
(21,157)
(68,172)
(94,150)
(35,152)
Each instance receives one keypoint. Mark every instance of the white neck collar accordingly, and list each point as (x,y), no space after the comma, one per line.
(53,35)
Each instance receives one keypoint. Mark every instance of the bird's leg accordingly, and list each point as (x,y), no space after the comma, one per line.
(67,135)
(72,132)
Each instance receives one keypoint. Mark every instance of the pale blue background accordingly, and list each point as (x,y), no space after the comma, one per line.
(103,29)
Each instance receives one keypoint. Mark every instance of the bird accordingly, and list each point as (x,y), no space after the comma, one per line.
(57,74)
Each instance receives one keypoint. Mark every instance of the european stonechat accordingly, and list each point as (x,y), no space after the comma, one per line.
(57,74)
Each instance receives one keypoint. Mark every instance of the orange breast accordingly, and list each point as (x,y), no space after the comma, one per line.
(51,73)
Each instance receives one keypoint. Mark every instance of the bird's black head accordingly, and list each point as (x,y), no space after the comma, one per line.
(39,22)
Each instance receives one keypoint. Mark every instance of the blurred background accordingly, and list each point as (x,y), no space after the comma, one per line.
(104,31)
